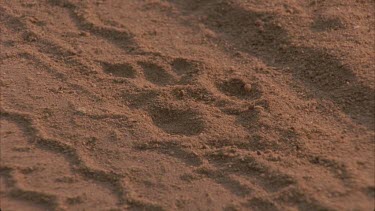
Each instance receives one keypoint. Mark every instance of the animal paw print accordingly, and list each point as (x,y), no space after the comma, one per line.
(183,66)
(124,70)
(177,121)
(185,69)
(161,73)
(156,74)
(183,72)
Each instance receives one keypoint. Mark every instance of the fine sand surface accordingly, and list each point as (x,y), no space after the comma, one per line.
(187,105)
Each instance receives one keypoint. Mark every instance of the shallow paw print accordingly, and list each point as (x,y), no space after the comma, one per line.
(328,24)
(261,204)
(141,98)
(186,69)
(124,70)
(183,66)
(156,74)
(177,121)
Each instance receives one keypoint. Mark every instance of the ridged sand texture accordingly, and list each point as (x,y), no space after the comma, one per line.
(187,105)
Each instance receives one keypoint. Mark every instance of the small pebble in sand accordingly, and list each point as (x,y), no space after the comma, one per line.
(259,23)
(81,110)
(258,108)
(181,93)
(247,87)
(84,34)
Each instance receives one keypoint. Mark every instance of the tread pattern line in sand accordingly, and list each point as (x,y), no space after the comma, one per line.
(78,165)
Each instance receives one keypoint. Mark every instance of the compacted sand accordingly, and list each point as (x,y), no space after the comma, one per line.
(187,105)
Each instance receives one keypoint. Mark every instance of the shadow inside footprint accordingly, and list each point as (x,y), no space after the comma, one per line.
(327,24)
(140,99)
(261,204)
(175,121)
(156,74)
(120,70)
(183,66)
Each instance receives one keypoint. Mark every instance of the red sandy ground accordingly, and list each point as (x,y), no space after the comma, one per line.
(187,105)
